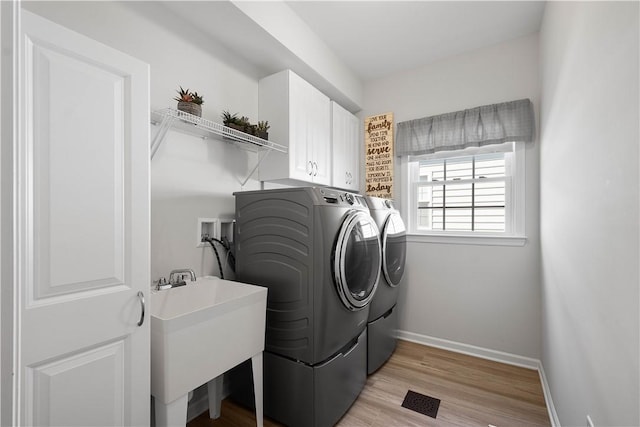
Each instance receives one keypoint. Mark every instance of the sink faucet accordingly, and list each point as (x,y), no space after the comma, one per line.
(181,274)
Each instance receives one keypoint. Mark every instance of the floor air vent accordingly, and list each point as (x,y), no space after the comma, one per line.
(420,403)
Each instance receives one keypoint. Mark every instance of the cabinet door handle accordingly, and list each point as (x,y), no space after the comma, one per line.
(141,298)
(309,168)
(315,167)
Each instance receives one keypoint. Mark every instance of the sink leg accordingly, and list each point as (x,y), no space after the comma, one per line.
(171,414)
(256,365)
(214,390)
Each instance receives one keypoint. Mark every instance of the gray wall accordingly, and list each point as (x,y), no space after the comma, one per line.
(589,210)
(484,296)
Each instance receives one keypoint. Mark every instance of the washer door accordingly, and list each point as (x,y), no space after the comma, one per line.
(357,260)
(394,248)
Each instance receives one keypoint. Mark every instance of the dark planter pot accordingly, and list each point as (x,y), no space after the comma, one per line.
(249,130)
(232,126)
(191,108)
(235,126)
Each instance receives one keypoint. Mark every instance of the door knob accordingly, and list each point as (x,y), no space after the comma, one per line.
(141,298)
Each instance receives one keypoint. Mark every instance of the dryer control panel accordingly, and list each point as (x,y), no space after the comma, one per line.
(342,198)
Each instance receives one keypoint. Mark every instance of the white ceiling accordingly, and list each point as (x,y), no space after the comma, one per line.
(377,38)
(372,39)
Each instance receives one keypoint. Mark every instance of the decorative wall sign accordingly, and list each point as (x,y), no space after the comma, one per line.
(378,139)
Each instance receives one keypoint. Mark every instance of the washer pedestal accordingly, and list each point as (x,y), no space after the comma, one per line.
(313,396)
(300,395)
(381,339)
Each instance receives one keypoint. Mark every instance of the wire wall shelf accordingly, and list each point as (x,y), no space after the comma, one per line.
(170,118)
(181,121)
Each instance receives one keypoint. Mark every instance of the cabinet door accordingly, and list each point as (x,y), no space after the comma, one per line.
(352,151)
(320,137)
(345,134)
(286,98)
(309,140)
(300,129)
(82,242)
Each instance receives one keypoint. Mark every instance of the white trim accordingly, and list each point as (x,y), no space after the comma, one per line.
(553,415)
(10,116)
(197,406)
(488,354)
(519,200)
(200,403)
(466,239)
(471,350)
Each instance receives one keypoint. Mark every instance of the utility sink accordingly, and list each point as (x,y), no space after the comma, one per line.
(198,332)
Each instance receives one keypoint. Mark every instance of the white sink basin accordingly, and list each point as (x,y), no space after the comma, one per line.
(201,330)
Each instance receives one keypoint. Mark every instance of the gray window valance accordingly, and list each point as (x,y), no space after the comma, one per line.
(475,127)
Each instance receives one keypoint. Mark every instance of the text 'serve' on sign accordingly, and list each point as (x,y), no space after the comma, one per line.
(378,140)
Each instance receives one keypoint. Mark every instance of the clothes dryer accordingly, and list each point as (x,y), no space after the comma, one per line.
(318,252)
(383,317)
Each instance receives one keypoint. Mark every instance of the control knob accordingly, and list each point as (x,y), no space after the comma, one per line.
(349,198)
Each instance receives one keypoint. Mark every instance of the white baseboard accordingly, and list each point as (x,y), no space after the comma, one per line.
(553,415)
(197,406)
(200,401)
(495,355)
(471,350)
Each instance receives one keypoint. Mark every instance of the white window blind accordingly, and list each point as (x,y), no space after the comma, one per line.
(471,196)
(465,194)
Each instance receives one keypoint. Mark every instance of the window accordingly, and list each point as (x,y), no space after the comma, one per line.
(477,192)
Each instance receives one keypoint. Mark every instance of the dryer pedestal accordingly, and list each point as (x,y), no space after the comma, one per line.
(381,339)
(300,395)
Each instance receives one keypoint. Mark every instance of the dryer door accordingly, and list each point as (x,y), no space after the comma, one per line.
(357,260)
(394,248)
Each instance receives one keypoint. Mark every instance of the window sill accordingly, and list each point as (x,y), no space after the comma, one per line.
(466,239)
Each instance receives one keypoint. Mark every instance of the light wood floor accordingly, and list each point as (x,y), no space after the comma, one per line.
(473,392)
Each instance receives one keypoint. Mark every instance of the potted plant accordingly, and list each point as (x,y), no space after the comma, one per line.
(243,124)
(251,129)
(189,102)
(262,130)
(234,122)
(231,121)
(228,118)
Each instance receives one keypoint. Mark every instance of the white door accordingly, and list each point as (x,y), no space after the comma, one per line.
(82,235)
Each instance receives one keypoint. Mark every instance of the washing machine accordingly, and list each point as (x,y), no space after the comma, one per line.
(383,313)
(318,252)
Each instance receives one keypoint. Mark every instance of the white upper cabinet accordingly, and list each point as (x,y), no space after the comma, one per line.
(300,118)
(345,134)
